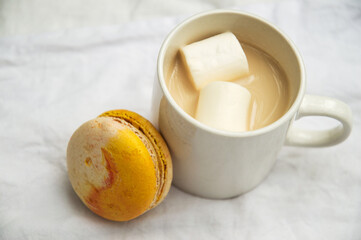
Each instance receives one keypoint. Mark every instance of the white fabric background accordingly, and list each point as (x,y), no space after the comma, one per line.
(50,83)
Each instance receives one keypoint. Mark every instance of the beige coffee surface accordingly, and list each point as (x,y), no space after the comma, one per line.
(266,82)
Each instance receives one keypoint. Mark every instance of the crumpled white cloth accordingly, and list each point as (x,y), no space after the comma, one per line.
(52,83)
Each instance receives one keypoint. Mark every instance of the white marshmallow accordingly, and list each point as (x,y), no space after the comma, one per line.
(224,106)
(218,58)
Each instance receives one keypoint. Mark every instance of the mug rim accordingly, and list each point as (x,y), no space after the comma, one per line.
(285,117)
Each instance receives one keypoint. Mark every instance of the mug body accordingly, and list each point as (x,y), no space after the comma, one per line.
(209,162)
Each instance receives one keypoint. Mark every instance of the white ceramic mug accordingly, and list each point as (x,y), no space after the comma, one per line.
(218,164)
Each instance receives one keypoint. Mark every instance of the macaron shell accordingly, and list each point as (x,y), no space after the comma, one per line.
(164,157)
(111,170)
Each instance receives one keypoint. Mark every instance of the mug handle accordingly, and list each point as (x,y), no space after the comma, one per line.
(321,106)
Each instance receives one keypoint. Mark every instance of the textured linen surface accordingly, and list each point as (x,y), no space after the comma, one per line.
(51,83)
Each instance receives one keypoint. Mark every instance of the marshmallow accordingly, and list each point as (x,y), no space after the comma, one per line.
(218,58)
(224,106)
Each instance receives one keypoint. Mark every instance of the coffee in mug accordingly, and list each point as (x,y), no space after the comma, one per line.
(266,81)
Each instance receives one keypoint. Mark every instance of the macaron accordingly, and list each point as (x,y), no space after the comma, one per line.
(119,165)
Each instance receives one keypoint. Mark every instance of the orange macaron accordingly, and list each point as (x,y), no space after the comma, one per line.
(119,165)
